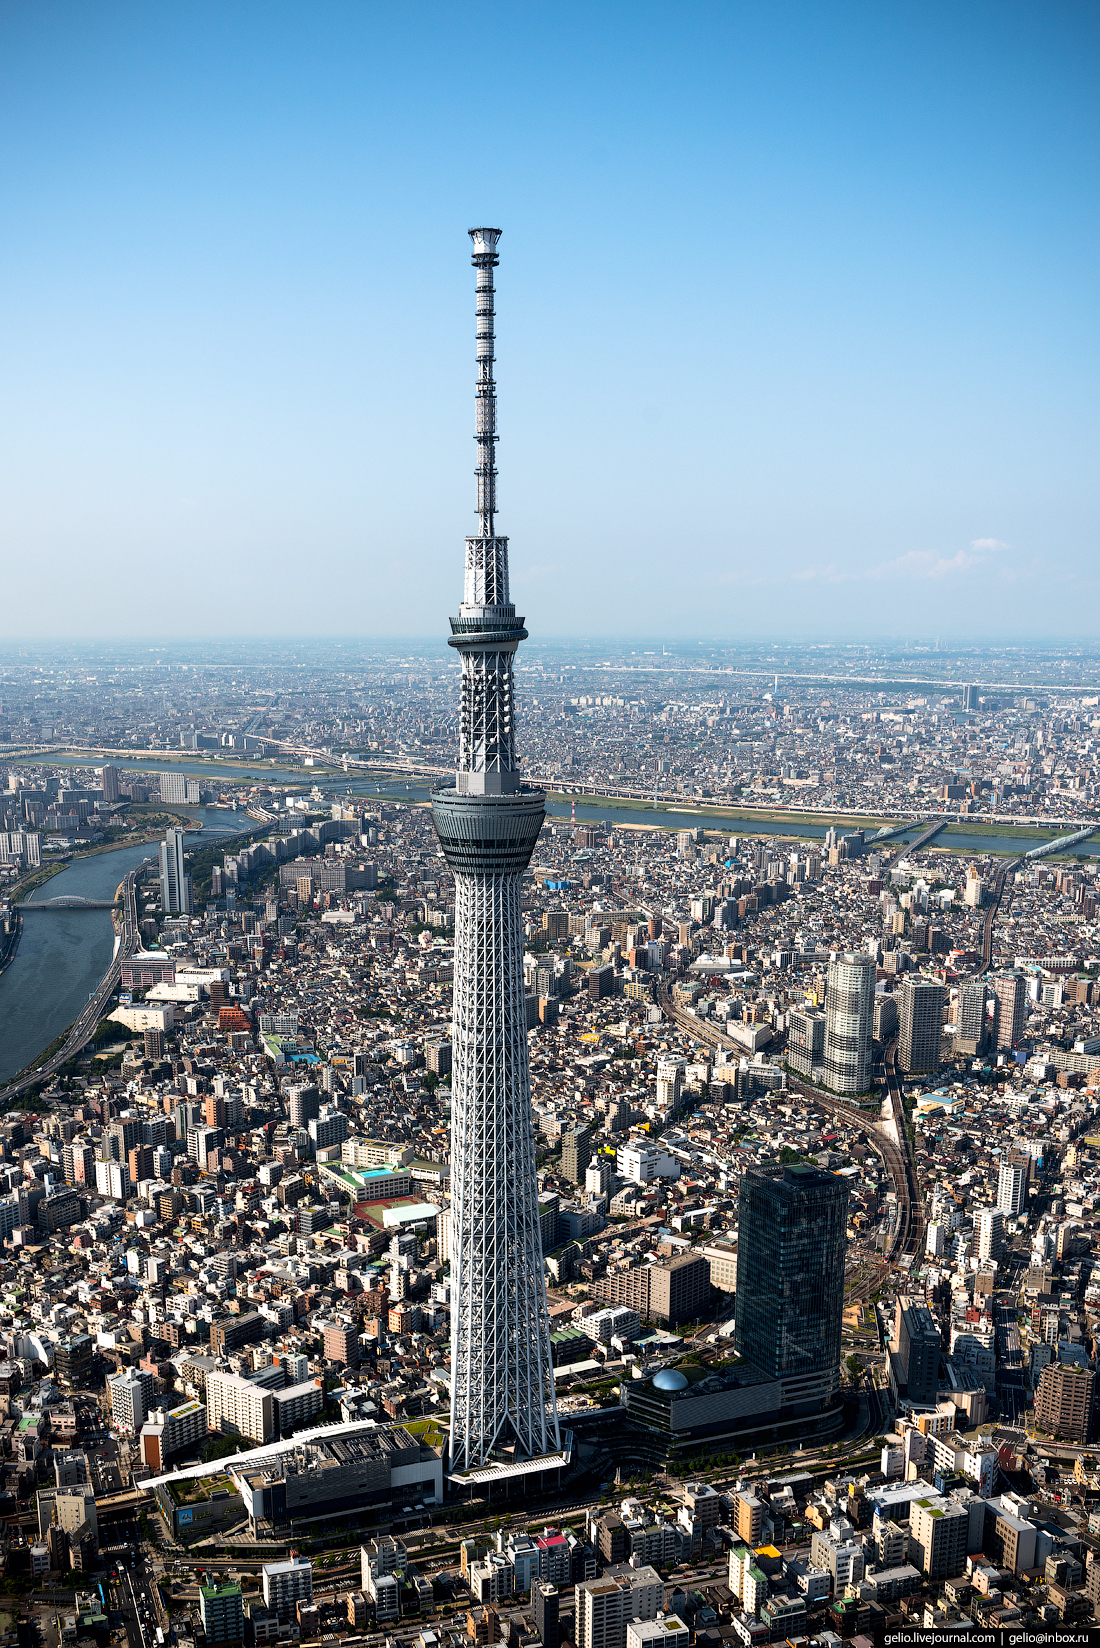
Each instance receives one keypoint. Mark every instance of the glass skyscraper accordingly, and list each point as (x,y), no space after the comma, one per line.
(791,1243)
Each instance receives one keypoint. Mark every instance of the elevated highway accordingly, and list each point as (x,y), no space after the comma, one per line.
(997,894)
(122,1506)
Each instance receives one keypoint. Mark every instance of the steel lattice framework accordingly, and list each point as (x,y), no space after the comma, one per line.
(503,1383)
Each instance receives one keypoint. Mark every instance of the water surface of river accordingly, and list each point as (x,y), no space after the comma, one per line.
(62,956)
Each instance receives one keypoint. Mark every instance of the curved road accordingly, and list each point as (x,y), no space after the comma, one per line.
(82,1030)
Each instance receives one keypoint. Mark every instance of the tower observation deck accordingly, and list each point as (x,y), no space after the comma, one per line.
(502,1404)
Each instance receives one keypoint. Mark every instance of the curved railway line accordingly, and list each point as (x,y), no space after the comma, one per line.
(907,1240)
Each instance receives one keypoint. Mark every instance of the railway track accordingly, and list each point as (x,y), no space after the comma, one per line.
(907,1241)
(1000,881)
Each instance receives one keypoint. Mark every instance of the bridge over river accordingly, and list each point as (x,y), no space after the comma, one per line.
(71,901)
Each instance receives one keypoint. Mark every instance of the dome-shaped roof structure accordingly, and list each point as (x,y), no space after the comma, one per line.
(669,1380)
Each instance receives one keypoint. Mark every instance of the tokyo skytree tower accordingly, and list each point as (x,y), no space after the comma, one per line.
(502,1404)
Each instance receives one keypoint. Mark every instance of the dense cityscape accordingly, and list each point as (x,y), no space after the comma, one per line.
(880,731)
(228,1231)
(549,1017)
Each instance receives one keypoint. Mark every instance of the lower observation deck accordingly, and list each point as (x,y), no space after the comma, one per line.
(488,834)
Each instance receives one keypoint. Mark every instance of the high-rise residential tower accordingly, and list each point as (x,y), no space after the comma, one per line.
(1011,1188)
(175,883)
(1011,992)
(915,1350)
(502,1401)
(991,1234)
(791,1243)
(921,1014)
(971,1019)
(849,1023)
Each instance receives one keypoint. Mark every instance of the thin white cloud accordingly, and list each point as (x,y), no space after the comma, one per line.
(924,564)
(830,574)
(930,563)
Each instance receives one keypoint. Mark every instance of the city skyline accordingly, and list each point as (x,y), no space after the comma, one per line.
(862,404)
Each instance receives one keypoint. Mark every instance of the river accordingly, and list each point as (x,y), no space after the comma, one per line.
(62,956)
(590,812)
(959,840)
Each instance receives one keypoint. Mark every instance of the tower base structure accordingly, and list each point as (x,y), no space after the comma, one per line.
(502,1402)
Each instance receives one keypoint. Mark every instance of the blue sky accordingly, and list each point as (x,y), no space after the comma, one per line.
(797,316)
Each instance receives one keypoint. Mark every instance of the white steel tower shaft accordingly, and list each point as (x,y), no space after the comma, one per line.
(503,1384)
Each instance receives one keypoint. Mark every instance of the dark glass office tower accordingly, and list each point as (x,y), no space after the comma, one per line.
(791,1244)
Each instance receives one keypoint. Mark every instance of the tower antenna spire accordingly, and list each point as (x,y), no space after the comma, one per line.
(485,260)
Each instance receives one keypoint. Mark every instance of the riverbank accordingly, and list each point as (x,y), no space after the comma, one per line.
(1035,834)
(10,943)
(232,768)
(847,821)
(958,835)
(64,955)
(955,837)
(1025,832)
(251,768)
(25,888)
(20,890)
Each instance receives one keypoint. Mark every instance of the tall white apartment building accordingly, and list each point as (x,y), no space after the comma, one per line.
(240,1407)
(287,1583)
(604,1607)
(1011,1189)
(178,788)
(849,1023)
(991,1233)
(175,883)
(132,1393)
(112,1179)
(938,1532)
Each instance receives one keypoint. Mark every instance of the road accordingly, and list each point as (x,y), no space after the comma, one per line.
(82,1030)
(1013,1391)
(134,1594)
